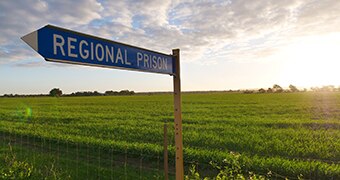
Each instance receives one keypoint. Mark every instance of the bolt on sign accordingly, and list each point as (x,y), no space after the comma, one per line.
(62,45)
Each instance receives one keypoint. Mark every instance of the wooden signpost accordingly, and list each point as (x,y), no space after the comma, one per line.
(62,45)
(178,116)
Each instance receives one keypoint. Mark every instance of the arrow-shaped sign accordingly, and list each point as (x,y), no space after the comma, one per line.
(63,45)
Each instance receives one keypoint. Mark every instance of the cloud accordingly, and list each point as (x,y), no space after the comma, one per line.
(205,31)
(18,18)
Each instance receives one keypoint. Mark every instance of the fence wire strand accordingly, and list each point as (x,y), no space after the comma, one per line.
(72,160)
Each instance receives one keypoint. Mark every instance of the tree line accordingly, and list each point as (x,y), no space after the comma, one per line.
(278,89)
(96,93)
(57,92)
(291,88)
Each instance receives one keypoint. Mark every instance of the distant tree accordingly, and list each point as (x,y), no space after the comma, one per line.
(269,90)
(56,92)
(328,88)
(248,91)
(96,93)
(277,88)
(87,93)
(8,95)
(126,92)
(315,89)
(293,88)
(111,93)
(262,90)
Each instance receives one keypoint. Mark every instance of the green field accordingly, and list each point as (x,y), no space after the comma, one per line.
(286,133)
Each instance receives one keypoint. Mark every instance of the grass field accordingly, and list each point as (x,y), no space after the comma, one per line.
(287,133)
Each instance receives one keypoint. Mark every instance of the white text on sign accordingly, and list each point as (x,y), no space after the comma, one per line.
(85,50)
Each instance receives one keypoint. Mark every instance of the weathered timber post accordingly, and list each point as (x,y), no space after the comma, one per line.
(178,116)
(166,166)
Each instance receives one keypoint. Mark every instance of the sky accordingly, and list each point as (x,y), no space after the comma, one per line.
(230,44)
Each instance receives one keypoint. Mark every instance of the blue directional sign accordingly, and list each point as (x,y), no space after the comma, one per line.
(62,45)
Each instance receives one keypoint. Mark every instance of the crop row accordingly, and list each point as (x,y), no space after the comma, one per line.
(297,133)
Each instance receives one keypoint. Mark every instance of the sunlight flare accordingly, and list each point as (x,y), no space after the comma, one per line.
(312,61)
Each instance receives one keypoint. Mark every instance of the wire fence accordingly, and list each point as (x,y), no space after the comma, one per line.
(53,158)
(63,159)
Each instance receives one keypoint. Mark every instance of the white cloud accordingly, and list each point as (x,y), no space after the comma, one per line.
(18,18)
(206,31)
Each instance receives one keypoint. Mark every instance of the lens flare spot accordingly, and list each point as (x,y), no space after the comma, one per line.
(28,113)
(24,113)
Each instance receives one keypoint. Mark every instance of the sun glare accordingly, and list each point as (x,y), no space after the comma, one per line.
(312,61)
